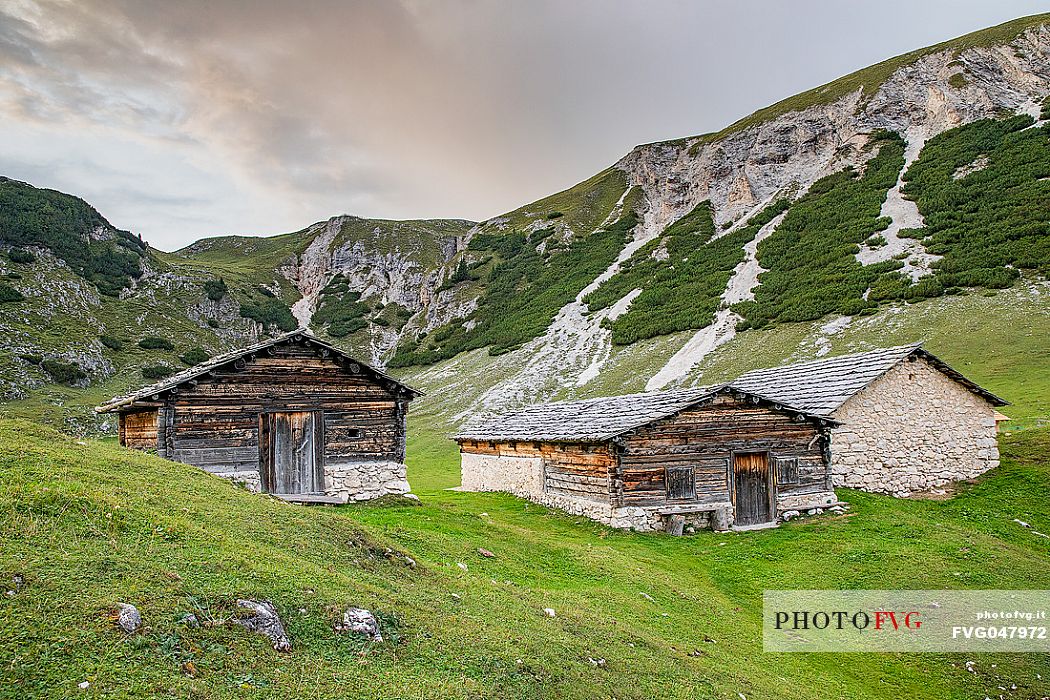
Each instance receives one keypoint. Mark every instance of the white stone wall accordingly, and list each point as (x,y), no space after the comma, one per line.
(362,481)
(248,478)
(522,476)
(805,501)
(912,429)
(358,481)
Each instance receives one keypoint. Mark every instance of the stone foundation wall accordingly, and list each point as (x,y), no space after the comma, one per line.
(250,479)
(523,477)
(358,481)
(363,481)
(912,429)
(805,501)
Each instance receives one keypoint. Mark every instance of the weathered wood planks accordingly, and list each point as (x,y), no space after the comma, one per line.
(138,430)
(695,447)
(229,418)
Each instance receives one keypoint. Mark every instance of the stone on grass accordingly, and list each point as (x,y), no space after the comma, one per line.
(549,612)
(789,514)
(485,553)
(128,618)
(265,621)
(362,622)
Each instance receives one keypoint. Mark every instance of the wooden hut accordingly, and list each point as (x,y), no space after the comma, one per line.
(292,416)
(709,456)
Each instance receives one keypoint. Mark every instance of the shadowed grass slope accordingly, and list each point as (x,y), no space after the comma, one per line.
(90,524)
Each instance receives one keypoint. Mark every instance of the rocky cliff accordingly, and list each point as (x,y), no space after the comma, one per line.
(746,166)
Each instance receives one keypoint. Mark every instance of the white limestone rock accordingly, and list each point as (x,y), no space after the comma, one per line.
(128,618)
(264,621)
(362,622)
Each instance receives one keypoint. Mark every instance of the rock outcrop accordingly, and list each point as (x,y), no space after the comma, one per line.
(787,153)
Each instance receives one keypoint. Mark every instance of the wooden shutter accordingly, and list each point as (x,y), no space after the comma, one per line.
(787,470)
(681,483)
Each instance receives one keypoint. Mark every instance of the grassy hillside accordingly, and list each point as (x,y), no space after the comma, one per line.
(417,240)
(87,527)
(73,231)
(527,265)
(63,318)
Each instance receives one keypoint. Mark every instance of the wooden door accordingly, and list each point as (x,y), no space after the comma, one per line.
(292,450)
(139,429)
(751,488)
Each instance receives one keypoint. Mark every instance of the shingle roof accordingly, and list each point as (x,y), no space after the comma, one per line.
(815,389)
(219,360)
(589,420)
(822,386)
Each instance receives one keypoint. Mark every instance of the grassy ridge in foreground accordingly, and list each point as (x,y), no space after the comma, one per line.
(89,525)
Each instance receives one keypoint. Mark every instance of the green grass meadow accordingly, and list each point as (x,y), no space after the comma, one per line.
(89,524)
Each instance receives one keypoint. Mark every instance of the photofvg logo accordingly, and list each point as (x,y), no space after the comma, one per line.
(870,620)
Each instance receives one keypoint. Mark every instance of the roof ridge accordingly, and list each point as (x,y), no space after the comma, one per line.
(821,360)
(211,363)
(600,399)
(825,384)
(600,418)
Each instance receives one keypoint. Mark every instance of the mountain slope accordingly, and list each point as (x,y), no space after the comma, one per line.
(922,178)
(850,241)
(89,309)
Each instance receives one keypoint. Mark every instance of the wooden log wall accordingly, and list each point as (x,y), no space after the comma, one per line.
(705,438)
(214,422)
(583,470)
(138,429)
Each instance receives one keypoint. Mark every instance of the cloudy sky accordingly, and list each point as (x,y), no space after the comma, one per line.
(185,119)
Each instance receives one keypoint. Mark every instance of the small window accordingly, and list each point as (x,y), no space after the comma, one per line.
(353,433)
(681,483)
(787,470)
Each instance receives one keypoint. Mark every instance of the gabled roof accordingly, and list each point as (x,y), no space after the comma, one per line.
(168,383)
(822,386)
(595,420)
